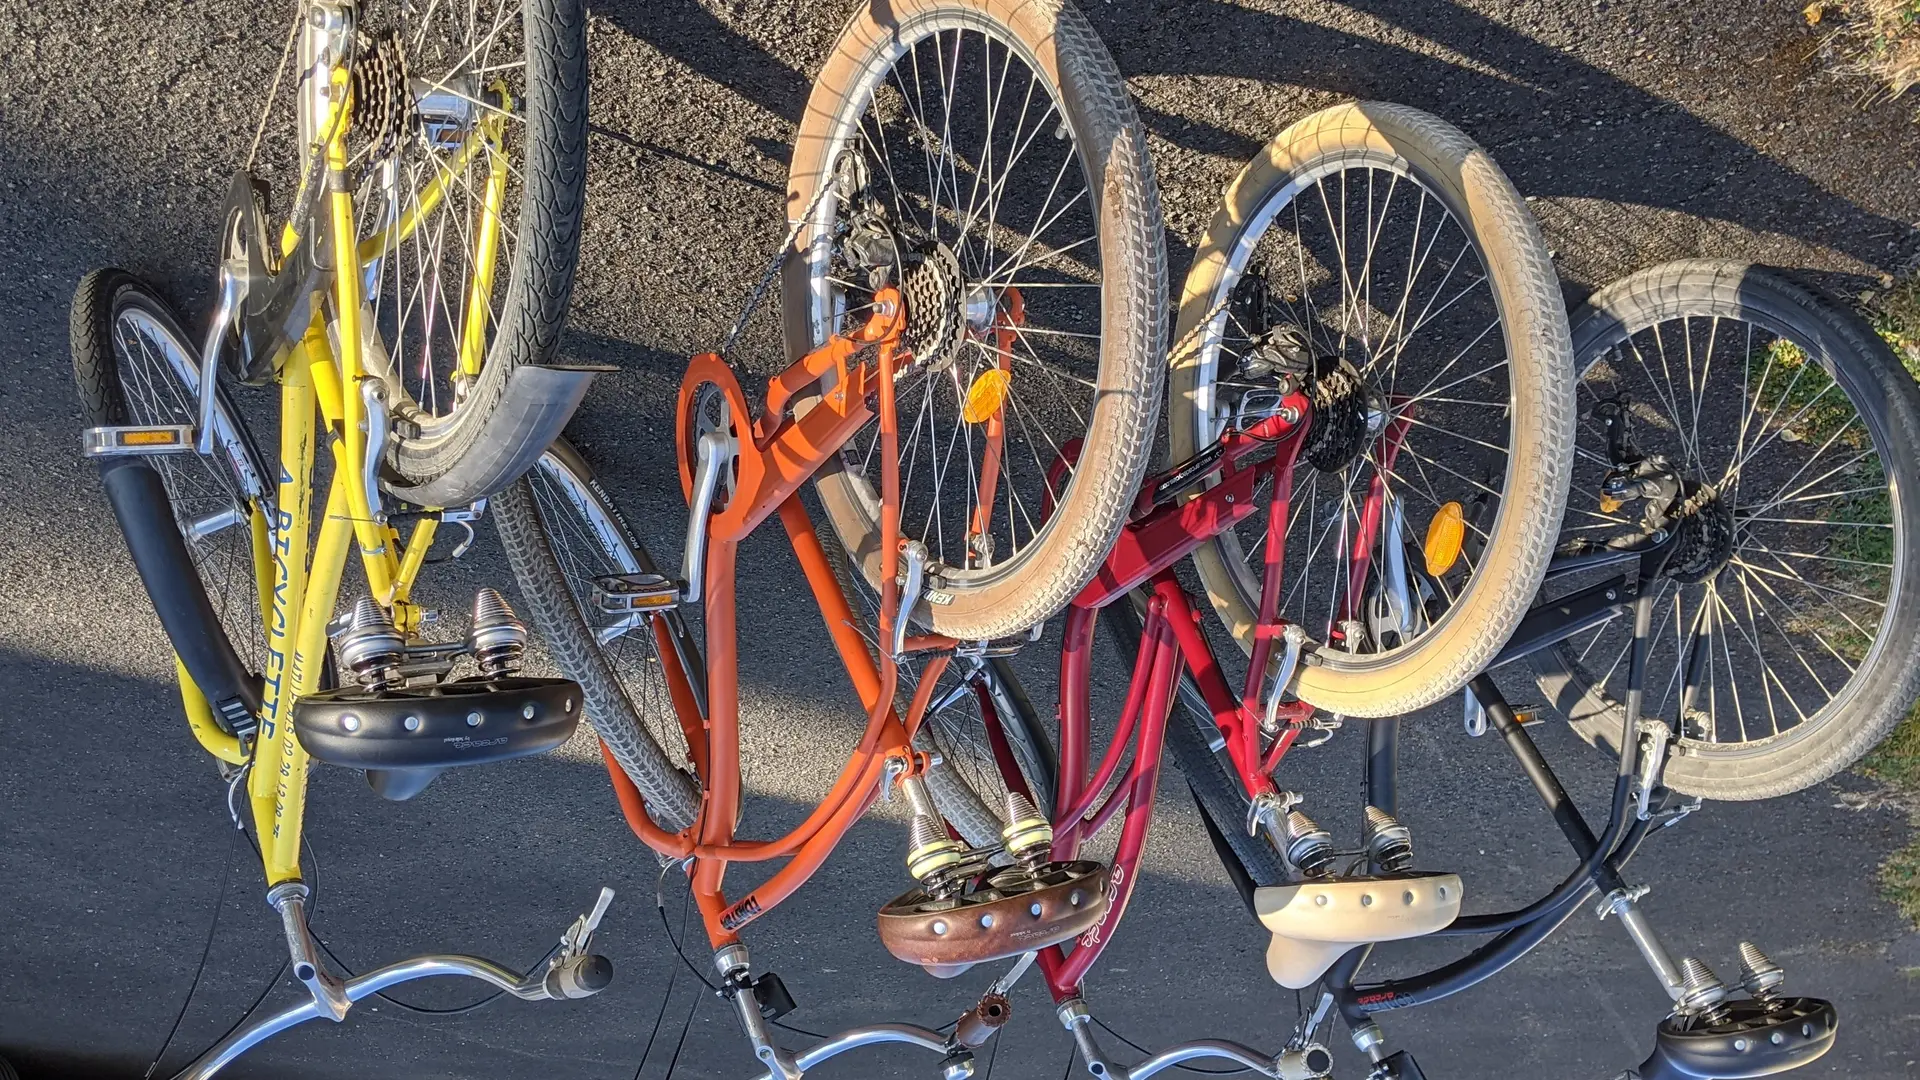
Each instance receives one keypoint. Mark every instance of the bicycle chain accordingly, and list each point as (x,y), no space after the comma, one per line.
(779,259)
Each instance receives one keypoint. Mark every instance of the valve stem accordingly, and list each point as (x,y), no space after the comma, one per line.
(1309,847)
(1389,843)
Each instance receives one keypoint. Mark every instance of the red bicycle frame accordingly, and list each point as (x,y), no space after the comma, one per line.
(1164,530)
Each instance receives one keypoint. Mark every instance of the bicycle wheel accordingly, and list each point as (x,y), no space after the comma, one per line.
(984,155)
(133,364)
(1384,256)
(1787,626)
(467,146)
(561,531)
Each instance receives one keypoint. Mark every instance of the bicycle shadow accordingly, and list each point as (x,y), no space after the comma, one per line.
(1563,128)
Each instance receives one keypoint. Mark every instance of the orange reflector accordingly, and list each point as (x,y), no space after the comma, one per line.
(985,396)
(1445,533)
(150,437)
(1608,504)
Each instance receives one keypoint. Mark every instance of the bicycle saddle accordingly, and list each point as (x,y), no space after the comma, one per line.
(1315,921)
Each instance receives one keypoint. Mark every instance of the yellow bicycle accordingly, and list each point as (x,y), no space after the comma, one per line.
(406,299)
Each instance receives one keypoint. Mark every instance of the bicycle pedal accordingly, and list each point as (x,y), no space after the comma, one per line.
(137,440)
(630,594)
(1316,921)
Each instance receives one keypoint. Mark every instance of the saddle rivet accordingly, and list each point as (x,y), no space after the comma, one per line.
(1366,899)
(527,710)
(1778,1038)
(411,723)
(350,722)
(1034,910)
(1407,897)
(473,719)
(568,705)
(986,920)
(1443,892)
(1322,900)
(939,927)
(1074,898)
(1740,1045)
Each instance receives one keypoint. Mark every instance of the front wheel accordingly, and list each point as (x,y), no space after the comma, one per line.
(1378,256)
(1786,625)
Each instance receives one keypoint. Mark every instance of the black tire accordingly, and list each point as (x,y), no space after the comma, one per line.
(1030,563)
(1788,650)
(553,560)
(550,181)
(116,316)
(627,700)
(1190,733)
(1458,182)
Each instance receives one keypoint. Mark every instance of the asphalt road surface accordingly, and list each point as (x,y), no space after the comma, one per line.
(1645,130)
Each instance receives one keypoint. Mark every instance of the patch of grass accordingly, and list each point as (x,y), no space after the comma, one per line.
(1873,39)
(1897,763)
(1895,313)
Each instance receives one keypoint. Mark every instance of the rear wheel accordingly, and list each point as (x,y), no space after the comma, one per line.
(1787,626)
(1379,255)
(467,162)
(984,155)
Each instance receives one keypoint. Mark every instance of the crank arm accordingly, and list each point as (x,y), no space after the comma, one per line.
(233,293)
(706,483)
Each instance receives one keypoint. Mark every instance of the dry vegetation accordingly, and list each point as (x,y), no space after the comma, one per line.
(1878,40)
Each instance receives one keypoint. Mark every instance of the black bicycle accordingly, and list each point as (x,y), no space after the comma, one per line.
(1728,612)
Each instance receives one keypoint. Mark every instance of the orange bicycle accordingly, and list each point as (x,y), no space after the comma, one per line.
(973,291)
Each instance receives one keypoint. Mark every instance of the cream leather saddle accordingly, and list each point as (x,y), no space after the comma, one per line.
(1314,922)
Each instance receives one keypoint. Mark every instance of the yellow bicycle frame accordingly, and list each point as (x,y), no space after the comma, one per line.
(299,583)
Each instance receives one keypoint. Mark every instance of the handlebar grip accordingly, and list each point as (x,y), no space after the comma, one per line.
(579,977)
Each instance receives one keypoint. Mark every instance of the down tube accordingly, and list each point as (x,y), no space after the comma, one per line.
(1064,971)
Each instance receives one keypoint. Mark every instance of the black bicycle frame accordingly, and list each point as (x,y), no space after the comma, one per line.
(1601,857)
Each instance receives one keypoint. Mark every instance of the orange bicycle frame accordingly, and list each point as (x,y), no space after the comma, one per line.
(777,453)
